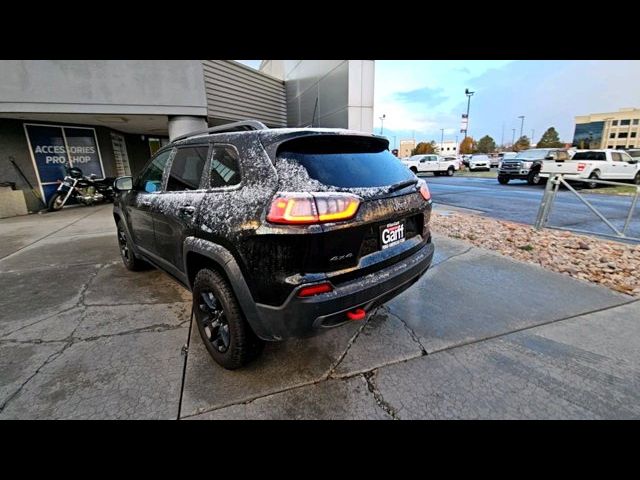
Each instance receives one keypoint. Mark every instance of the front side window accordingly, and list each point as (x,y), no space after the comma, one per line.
(225,169)
(186,168)
(150,180)
(615,156)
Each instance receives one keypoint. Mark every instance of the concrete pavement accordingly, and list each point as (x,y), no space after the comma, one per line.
(480,336)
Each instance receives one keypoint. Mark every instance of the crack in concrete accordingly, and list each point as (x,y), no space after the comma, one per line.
(411,332)
(48,360)
(380,401)
(351,341)
(433,265)
(369,375)
(159,327)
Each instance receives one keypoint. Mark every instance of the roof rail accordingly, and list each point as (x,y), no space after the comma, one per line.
(227,127)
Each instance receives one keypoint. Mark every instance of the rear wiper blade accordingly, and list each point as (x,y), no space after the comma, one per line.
(403,184)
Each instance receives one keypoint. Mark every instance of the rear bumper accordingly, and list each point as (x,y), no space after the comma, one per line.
(303,317)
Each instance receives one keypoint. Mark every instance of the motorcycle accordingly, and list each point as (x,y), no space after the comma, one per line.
(85,190)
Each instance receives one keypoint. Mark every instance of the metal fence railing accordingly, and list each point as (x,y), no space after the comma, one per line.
(551,191)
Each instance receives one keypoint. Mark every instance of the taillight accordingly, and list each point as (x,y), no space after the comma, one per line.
(581,166)
(424,191)
(305,208)
(315,290)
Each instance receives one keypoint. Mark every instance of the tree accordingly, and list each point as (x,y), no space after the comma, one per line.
(486,145)
(521,144)
(467,146)
(424,147)
(550,139)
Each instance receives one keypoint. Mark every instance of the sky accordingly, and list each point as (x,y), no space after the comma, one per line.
(421,97)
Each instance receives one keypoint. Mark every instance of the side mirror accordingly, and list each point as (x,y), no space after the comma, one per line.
(123,184)
(632,161)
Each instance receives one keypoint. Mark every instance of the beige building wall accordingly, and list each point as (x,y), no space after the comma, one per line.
(405,148)
(621,128)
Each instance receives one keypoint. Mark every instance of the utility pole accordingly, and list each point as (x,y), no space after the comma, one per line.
(521,117)
(441,139)
(382,123)
(502,138)
(533,132)
(468,94)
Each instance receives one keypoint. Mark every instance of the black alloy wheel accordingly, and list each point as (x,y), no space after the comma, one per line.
(213,321)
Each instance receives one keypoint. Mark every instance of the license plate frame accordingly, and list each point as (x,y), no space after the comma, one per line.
(392,234)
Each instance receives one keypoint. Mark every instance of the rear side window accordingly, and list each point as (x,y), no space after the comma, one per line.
(224,167)
(345,162)
(589,156)
(186,169)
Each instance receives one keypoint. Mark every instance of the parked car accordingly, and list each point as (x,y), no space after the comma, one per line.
(494,160)
(277,233)
(526,165)
(606,164)
(479,162)
(431,163)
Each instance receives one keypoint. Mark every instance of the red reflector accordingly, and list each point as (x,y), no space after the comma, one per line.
(581,166)
(315,290)
(357,314)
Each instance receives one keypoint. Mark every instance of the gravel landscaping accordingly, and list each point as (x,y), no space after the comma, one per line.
(612,264)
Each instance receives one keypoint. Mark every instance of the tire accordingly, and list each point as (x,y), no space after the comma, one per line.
(55,202)
(636,179)
(450,171)
(414,170)
(502,180)
(596,176)
(214,301)
(130,260)
(534,178)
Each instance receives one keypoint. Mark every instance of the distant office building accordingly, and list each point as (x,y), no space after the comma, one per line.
(406,146)
(448,147)
(619,130)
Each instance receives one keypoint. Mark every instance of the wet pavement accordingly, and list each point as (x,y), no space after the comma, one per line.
(479,336)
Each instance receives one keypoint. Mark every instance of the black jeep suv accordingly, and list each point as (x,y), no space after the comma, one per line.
(277,232)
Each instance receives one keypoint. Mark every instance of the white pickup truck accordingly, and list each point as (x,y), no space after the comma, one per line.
(431,163)
(597,165)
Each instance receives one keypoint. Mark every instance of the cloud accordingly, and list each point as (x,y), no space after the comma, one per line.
(429,97)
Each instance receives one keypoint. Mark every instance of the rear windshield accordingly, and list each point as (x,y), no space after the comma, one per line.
(345,162)
(589,156)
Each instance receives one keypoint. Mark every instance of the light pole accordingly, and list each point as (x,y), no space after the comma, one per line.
(513,137)
(533,132)
(502,138)
(441,139)
(382,123)
(468,93)
(521,117)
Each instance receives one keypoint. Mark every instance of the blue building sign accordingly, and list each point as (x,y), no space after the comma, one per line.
(55,148)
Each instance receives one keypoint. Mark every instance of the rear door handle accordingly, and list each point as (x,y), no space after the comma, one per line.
(188,209)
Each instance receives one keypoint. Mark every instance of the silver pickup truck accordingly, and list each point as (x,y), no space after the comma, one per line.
(526,165)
